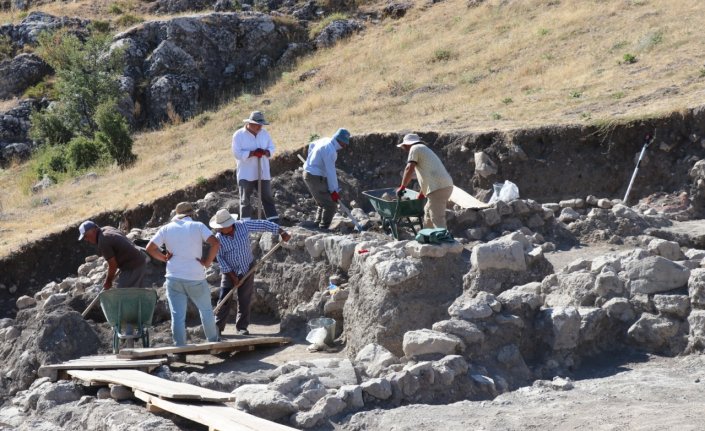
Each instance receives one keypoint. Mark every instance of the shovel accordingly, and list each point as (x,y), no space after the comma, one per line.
(341,205)
(647,141)
(259,187)
(92,304)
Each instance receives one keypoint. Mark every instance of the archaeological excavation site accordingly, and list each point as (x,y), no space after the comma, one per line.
(559,306)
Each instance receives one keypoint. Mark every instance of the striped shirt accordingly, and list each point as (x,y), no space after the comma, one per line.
(235,254)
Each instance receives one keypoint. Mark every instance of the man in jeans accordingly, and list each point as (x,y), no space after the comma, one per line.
(185,274)
(320,176)
(252,147)
(434,179)
(235,259)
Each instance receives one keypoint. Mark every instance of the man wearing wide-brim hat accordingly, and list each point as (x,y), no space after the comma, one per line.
(252,147)
(434,180)
(320,175)
(185,269)
(235,258)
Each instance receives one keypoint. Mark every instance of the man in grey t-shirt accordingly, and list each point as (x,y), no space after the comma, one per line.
(119,252)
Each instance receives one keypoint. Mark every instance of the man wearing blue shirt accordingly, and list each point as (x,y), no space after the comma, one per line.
(320,176)
(235,259)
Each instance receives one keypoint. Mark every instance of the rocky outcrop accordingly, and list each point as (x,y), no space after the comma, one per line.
(335,31)
(14,130)
(187,63)
(29,29)
(20,73)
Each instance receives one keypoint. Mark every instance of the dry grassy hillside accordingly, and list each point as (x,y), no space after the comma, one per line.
(446,67)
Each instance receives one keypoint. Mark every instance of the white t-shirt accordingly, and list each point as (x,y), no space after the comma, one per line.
(184,238)
(430,172)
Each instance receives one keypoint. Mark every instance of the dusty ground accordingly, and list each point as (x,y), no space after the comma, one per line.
(623,393)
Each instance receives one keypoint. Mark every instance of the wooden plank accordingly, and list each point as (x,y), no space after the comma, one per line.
(89,363)
(152,384)
(465,200)
(225,345)
(215,416)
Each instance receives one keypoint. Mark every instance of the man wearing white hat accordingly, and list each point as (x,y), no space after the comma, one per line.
(434,180)
(252,147)
(185,270)
(320,175)
(235,259)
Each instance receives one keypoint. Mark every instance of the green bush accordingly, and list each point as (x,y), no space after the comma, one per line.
(40,90)
(48,128)
(82,153)
(114,133)
(115,9)
(51,161)
(629,58)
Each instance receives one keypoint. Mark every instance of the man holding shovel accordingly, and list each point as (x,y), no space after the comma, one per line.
(252,148)
(320,176)
(236,259)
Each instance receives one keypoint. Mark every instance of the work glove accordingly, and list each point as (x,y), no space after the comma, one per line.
(400,191)
(259,152)
(335,196)
(421,195)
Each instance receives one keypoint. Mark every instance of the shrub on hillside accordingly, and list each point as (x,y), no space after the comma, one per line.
(114,134)
(82,153)
(50,161)
(48,128)
(6,50)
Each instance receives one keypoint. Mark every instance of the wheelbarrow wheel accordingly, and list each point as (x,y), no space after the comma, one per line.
(116,341)
(145,338)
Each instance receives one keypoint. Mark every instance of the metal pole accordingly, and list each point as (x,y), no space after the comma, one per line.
(259,187)
(636,169)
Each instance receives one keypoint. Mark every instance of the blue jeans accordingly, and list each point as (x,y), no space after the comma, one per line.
(177,293)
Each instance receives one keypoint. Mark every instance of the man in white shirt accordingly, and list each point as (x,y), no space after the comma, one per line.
(434,180)
(185,274)
(320,176)
(252,148)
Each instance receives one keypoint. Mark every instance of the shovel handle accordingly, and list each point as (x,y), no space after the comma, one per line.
(92,304)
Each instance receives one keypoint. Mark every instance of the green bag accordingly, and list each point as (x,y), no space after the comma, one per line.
(437,235)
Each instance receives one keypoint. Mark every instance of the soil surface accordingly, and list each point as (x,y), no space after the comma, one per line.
(619,393)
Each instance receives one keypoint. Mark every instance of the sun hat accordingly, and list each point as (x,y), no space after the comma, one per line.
(342,135)
(409,139)
(85,227)
(222,218)
(256,117)
(184,209)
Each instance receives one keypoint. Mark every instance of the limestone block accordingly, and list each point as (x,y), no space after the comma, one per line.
(352,396)
(314,245)
(623,211)
(339,250)
(261,401)
(655,274)
(604,203)
(520,207)
(484,166)
(608,284)
(377,388)
(499,254)
(591,200)
(25,301)
(607,260)
(676,305)
(696,288)
(373,359)
(564,327)
(568,215)
(695,254)
(468,332)
(503,208)
(120,393)
(592,322)
(491,216)
(426,341)
(552,207)
(652,332)
(668,249)
(696,335)
(515,300)
(477,308)
(572,203)
(397,271)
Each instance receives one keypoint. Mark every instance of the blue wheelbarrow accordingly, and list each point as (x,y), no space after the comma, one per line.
(129,312)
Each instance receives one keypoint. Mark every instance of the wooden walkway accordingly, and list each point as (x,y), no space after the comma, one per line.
(233,345)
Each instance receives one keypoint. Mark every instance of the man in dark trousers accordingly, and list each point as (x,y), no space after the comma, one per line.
(119,252)
(235,259)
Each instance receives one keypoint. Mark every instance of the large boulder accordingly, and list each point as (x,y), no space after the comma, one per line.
(19,73)
(561,327)
(653,333)
(373,359)
(696,288)
(499,254)
(429,342)
(655,274)
(337,30)
(261,401)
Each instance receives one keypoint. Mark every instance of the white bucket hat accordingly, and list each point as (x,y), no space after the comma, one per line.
(256,117)
(409,139)
(222,219)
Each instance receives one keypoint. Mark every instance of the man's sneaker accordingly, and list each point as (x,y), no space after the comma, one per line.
(243,332)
